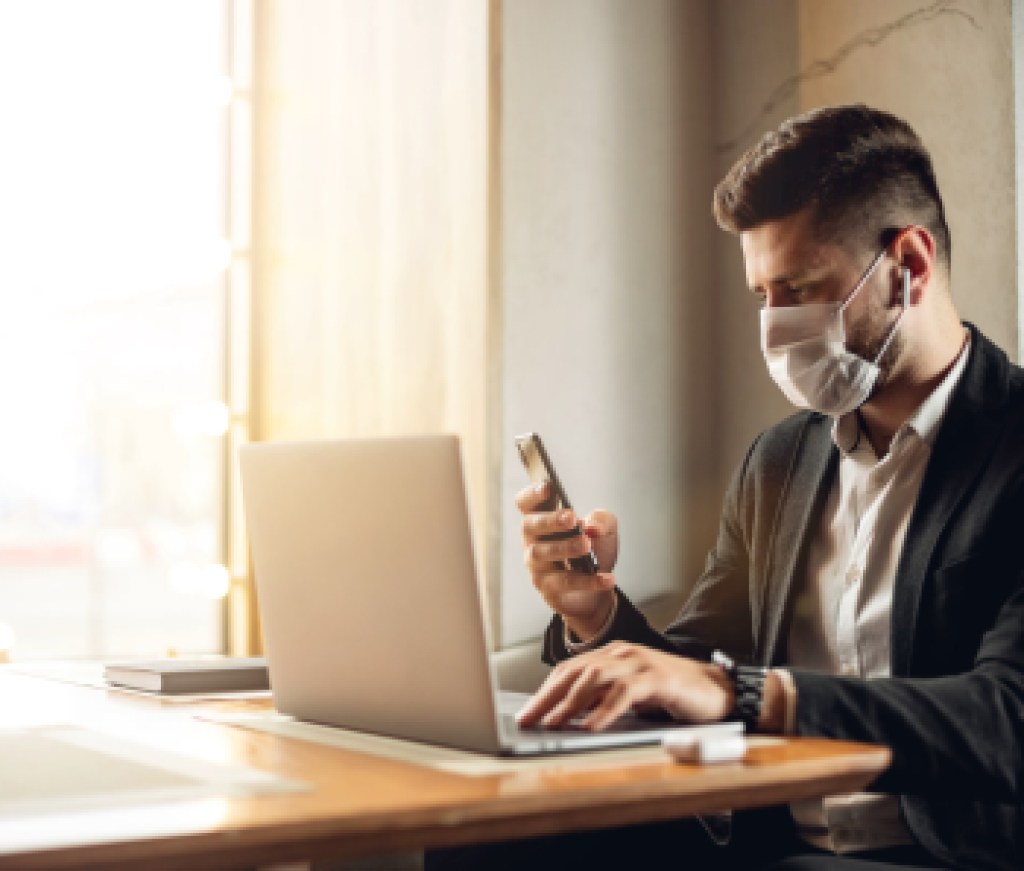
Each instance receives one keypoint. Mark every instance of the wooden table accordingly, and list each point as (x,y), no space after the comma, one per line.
(359,804)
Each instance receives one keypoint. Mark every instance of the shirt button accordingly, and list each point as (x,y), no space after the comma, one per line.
(852,576)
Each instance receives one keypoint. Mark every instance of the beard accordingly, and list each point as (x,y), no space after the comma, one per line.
(867,337)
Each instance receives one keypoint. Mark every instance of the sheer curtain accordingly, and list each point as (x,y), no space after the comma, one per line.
(372,225)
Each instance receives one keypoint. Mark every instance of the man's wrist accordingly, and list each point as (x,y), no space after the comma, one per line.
(773,704)
(579,638)
(717,674)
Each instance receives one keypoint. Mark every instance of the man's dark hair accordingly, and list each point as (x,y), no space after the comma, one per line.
(865,171)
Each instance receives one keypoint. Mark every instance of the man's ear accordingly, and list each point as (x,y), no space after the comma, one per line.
(914,249)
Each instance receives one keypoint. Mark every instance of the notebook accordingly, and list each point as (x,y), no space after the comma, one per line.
(245,673)
(370,604)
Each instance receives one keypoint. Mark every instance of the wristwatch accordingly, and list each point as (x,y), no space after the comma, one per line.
(748,688)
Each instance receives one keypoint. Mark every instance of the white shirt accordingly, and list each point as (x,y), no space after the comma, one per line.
(841,618)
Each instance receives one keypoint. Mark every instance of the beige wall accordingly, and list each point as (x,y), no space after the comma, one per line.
(756,51)
(604,228)
(1018,114)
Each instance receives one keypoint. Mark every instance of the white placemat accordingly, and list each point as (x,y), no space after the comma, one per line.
(431,756)
(61,769)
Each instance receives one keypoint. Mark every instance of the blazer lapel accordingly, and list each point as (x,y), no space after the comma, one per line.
(963,446)
(802,493)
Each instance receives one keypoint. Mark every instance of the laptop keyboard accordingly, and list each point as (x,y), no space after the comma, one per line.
(510,727)
(627,723)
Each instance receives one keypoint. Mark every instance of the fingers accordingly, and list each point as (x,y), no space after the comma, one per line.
(591,690)
(601,523)
(531,498)
(539,555)
(552,537)
(565,590)
(595,689)
(555,688)
(540,523)
(620,698)
(549,536)
(579,685)
(602,528)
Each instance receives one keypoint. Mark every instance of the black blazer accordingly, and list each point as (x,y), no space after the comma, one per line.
(953,709)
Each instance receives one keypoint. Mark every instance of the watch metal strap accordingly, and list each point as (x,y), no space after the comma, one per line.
(748,687)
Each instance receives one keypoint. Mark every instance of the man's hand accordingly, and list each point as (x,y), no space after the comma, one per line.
(607,683)
(583,600)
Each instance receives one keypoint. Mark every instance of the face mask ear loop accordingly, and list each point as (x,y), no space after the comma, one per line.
(863,281)
(896,323)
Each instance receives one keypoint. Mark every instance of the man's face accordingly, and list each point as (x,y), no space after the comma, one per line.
(787,265)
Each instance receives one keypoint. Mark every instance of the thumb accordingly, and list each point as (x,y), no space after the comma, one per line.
(600,524)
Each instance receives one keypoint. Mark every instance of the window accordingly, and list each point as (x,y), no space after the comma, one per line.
(118,298)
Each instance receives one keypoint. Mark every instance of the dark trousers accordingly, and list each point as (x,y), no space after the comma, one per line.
(760,841)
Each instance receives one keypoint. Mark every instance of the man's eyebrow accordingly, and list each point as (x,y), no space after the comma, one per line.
(795,276)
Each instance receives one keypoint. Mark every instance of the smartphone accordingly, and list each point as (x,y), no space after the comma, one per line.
(539,468)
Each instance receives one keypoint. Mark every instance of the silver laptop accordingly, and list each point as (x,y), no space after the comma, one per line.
(370,606)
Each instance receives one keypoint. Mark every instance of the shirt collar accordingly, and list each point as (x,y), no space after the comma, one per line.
(846,432)
(925,421)
(928,417)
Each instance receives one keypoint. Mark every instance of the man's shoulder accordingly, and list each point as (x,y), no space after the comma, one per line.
(797,423)
(788,436)
(797,448)
(992,384)
(996,400)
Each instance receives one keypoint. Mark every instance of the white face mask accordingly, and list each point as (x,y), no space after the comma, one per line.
(805,349)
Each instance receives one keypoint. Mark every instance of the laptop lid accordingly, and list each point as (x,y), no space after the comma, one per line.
(367,591)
